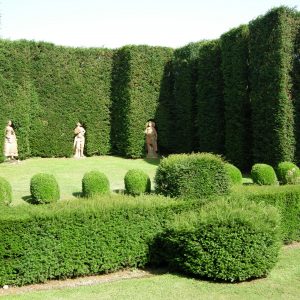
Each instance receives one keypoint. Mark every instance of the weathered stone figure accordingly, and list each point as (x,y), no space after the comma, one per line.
(151,139)
(10,143)
(79,141)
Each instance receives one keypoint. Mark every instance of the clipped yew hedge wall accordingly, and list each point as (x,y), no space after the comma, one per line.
(140,92)
(271,46)
(210,102)
(235,67)
(71,85)
(184,109)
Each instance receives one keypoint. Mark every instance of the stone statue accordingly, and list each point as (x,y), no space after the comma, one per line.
(79,140)
(10,144)
(151,139)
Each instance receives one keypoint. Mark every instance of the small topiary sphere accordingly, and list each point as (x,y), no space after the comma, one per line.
(137,182)
(263,174)
(192,175)
(95,183)
(44,188)
(234,174)
(288,173)
(5,191)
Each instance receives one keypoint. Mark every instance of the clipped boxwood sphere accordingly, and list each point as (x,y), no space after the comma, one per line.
(137,182)
(263,174)
(95,183)
(192,175)
(5,191)
(228,240)
(44,188)
(288,173)
(234,174)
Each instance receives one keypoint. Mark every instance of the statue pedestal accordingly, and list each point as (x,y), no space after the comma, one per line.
(151,153)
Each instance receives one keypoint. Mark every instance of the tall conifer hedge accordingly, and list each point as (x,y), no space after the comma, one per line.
(271,48)
(210,100)
(235,57)
(139,80)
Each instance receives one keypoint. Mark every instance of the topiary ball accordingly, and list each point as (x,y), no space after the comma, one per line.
(263,174)
(137,182)
(5,191)
(95,183)
(234,174)
(288,173)
(44,188)
(192,175)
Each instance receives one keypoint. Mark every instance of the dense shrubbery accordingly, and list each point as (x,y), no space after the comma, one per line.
(5,191)
(95,183)
(137,182)
(263,174)
(234,173)
(288,173)
(192,175)
(44,188)
(231,241)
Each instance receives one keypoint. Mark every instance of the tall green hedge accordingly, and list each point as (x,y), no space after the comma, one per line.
(183,108)
(139,78)
(271,46)
(235,56)
(210,102)
(71,85)
(16,92)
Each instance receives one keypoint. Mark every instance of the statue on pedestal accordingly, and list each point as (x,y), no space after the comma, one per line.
(10,143)
(151,139)
(79,140)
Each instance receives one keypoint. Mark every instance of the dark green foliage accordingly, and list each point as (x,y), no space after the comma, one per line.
(210,102)
(139,74)
(71,85)
(286,199)
(230,241)
(234,173)
(44,188)
(263,174)
(95,183)
(137,182)
(82,237)
(183,107)
(192,175)
(5,191)
(288,173)
(271,47)
(235,58)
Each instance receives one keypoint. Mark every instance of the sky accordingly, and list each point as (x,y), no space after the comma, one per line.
(116,23)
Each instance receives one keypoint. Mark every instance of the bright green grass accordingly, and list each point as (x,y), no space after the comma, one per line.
(282,283)
(69,172)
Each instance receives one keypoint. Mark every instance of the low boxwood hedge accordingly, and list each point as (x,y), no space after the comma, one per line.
(137,182)
(5,191)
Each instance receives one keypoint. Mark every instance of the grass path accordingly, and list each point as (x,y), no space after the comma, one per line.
(69,172)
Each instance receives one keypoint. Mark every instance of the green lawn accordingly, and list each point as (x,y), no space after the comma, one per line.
(282,283)
(69,172)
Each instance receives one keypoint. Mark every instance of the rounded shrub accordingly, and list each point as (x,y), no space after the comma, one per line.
(288,173)
(227,240)
(234,174)
(95,183)
(137,182)
(5,191)
(44,188)
(192,175)
(263,174)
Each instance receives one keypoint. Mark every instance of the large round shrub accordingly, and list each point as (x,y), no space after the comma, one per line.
(263,174)
(288,173)
(228,240)
(192,175)
(234,174)
(5,191)
(137,182)
(95,183)
(44,188)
